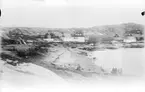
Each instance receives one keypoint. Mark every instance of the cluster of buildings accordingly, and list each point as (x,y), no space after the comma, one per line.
(80,37)
(76,37)
(129,38)
(66,37)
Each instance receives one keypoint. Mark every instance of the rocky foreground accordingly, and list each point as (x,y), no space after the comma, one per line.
(60,69)
(65,62)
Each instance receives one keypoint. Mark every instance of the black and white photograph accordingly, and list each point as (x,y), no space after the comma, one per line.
(71,42)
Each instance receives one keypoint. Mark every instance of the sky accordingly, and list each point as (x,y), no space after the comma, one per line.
(70,13)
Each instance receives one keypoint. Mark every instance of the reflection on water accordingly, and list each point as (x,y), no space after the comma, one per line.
(130,60)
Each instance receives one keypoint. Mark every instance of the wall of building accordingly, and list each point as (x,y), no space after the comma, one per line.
(74,39)
(130,39)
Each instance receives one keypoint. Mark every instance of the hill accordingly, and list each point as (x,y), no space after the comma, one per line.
(107,30)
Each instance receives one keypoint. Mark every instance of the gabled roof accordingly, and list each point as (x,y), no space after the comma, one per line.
(77,35)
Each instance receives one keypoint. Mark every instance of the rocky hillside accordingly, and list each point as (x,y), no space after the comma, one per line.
(107,30)
(121,30)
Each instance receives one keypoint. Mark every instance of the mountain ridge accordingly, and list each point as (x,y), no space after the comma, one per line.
(104,30)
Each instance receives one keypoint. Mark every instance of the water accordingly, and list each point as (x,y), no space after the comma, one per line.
(131,60)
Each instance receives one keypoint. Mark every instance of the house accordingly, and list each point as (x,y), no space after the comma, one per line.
(118,38)
(48,37)
(79,39)
(67,37)
(139,38)
(117,43)
(129,39)
(78,36)
(29,42)
(116,35)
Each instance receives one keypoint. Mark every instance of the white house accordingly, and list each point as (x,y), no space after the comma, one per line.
(67,37)
(73,38)
(129,39)
(49,39)
(78,37)
(116,43)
